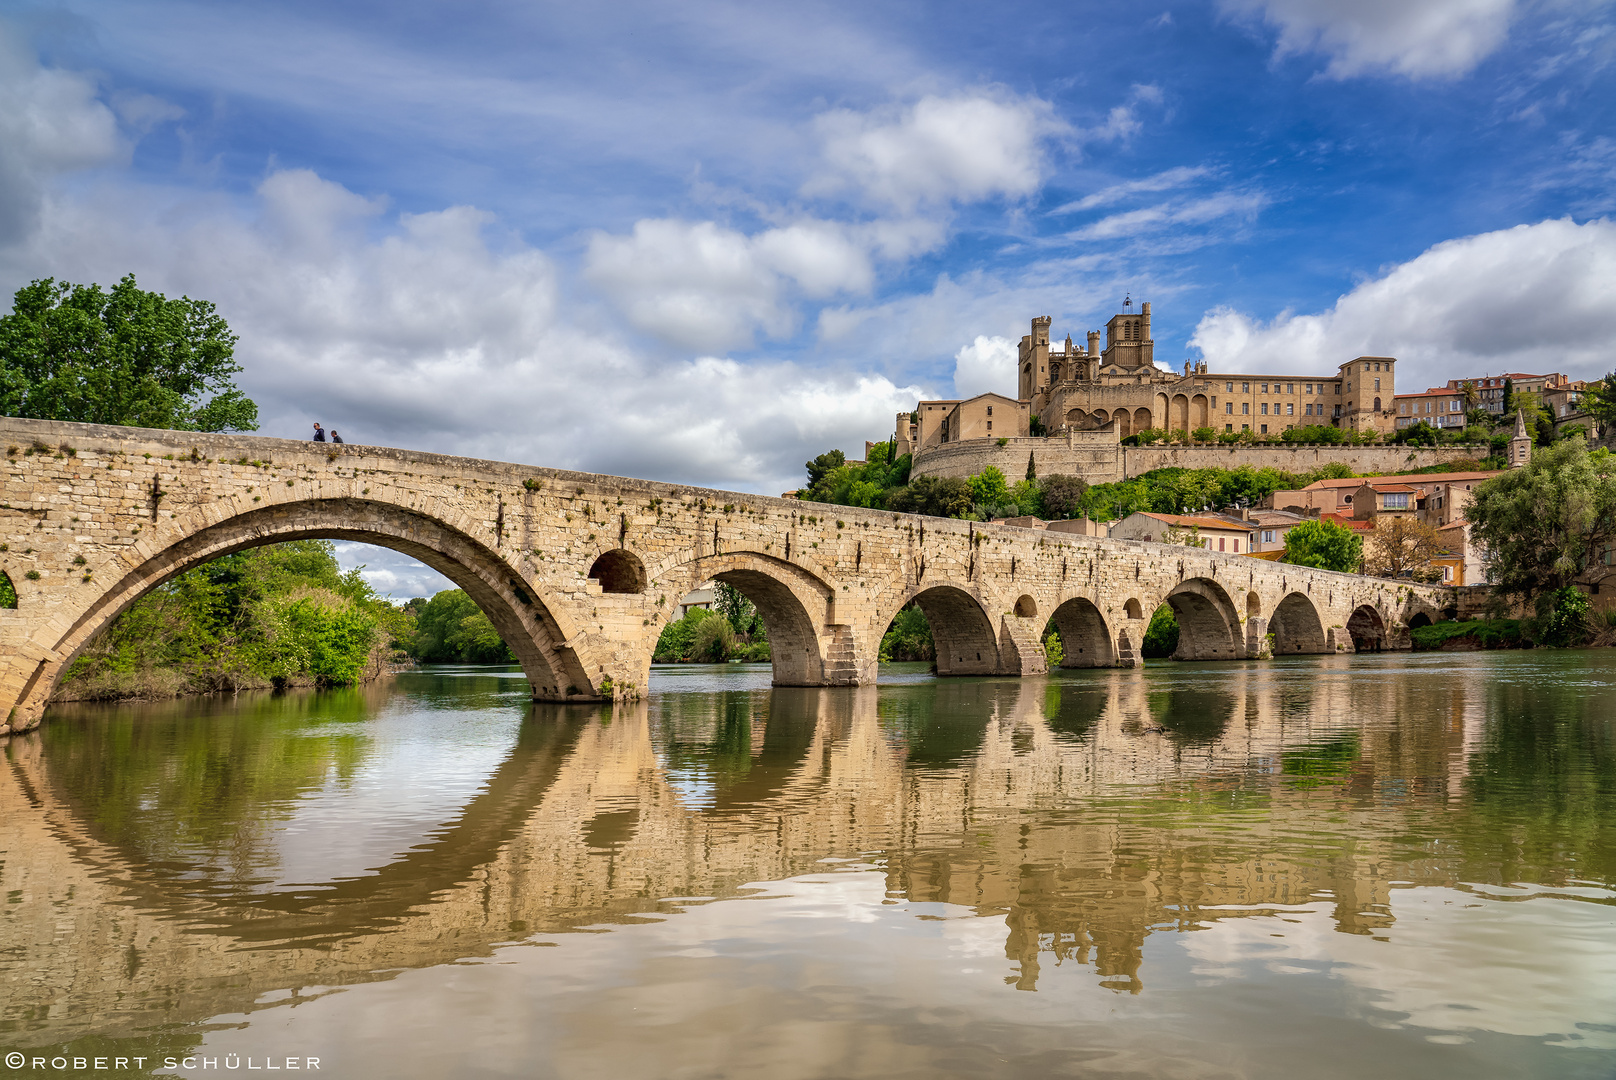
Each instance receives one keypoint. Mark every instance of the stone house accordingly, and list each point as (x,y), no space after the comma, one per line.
(1212,532)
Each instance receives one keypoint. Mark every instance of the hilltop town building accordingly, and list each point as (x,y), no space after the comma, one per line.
(1120,388)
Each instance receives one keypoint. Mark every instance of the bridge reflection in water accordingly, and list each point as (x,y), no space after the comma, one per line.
(172,863)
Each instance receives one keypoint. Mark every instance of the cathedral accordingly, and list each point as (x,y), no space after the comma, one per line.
(1072,387)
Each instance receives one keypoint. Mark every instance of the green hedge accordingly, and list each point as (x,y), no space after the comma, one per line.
(1489,634)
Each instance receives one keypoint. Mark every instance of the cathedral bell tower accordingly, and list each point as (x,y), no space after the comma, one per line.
(1128,344)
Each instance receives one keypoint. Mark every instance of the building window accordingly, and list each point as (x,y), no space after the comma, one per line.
(990,425)
(1228,427)
(1229,389)
(1309,409)
(1237,547)
(1265,429)
(1268,536)
(1228,406)
(990,410)
(1396,500)
(1264,407)
(1338,388)
(1377,404)
(1290,408)
(1245,408)
(1290,388)
(1245,427)
(1377,381)
(1265,388)
(1245,388)
(1220,543)
(1307,388)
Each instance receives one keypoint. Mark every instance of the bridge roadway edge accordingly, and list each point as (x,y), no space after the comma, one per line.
(98,515)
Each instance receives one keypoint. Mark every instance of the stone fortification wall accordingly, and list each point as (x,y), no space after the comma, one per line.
(1093,455)
(1100,462)
(1297,459)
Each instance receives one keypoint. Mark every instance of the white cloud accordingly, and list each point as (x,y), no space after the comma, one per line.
(1415,38)
(938,150)
(701,285)
(1225,204)
(1162,181)
(50,123)
(1531,298)
(986,365)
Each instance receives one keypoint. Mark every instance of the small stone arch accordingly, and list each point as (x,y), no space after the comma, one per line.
(1367,629)
(1296,627)
(1026,607)
(1101,418)
(1133,609)
(1208,626)
(793,603)
(1077,418)
(961,631)
(619,571)
(1085,638)
(1420,619)
(1253,605)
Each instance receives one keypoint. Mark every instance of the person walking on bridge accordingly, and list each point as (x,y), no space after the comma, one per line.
(319,433)
(334,436)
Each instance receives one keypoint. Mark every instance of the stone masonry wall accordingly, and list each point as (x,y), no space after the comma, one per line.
(1101,463)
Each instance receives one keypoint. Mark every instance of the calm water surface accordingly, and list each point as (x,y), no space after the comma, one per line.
(1391,866)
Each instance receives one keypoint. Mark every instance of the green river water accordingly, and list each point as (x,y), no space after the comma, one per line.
(1377,866)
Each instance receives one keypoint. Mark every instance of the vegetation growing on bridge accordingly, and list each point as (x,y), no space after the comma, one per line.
(281,615)
(732,631)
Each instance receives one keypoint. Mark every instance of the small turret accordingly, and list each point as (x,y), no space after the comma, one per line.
(1094,343)
(1520,444)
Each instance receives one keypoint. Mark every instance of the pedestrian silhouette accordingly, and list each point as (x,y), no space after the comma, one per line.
(319,433)
(334,436)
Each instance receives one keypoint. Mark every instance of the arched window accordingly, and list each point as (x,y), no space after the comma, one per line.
(8,592)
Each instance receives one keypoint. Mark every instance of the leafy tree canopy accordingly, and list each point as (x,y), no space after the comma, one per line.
(124,356)
(1539,527)
(1323,545)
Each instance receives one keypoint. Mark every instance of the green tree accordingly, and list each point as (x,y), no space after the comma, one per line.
(1599,400)
(124,356)
(1161,636)
(452,629)
(742,615)
(824,464)
(1032,467)
(1509,396)
(988,487)
(1063,496)
(946,496)
(1540,527)
(1323,545)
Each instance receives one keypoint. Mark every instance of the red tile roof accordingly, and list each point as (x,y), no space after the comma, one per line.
(1188,522)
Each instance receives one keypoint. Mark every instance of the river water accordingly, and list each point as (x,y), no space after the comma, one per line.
(1389,866)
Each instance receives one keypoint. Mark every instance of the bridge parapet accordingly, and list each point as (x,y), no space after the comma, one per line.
(580,572)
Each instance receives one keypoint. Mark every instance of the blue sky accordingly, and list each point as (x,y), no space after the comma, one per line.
(703,242)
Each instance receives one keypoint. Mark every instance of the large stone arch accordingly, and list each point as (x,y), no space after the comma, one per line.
(796,605)
(1200,412)
(961,628)
(1141,420)
(1208,624)
(1297,627)
(531,627)
(1124,423)
(1086,640)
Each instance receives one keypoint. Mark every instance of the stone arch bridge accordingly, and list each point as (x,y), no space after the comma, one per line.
(580,572)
